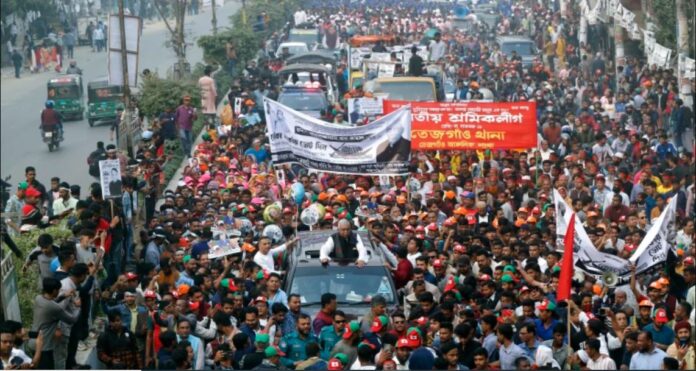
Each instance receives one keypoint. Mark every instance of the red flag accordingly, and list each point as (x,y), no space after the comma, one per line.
(564,282)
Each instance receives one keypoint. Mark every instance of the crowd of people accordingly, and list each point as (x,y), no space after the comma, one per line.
(475,243)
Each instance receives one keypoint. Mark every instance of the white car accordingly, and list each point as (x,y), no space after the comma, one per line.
(294,48)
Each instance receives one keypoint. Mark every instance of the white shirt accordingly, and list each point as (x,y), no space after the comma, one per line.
(16,353)
(437,50)
(412,258)
(602,363)
(328,247)
(60,205)
(265,261)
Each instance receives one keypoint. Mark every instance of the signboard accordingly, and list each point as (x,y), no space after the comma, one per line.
(360,108)
(470,125)
(223,247)
(110,178)
(10,299)
(383,147)
(133,31)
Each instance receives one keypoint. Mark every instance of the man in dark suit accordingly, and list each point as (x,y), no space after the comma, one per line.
(397,147)
(115,184)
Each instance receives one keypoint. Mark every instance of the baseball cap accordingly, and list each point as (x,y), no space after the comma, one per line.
(413,337)
(403,343)
(379,323)
(23,186)
(547,305)
(661,316)
(437,263)
(656,285)
(273,352)
(335,364)
(645,303)
(149,294)
(689,260)
(32,192)
(506,278)
(262,338)
(351,328)
(342,357)
(131,276)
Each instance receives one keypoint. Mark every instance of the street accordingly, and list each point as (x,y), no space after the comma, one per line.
(23,99)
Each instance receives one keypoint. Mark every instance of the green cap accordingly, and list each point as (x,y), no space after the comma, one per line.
(262,338)
(556,269)
(506,279)
(509,268)
(206,136)
(341,357)
(23,186)
(416,329)
(187,258)
(273,352)
(259,275)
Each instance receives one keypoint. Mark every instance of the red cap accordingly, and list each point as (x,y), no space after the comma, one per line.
(458,248)
(420,229)
(287,210)
(404,343)
(485,277)
(437,263)
(335,365)
(661,316)
(689,260)
(414,339)
(131,276)
(645,303)
(432,227)
(149,294)
(409,228)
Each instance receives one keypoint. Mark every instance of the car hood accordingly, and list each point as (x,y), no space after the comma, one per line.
(353,312)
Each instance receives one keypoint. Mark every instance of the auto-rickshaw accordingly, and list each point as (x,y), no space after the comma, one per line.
(104,101)
(67,93)
(370,40)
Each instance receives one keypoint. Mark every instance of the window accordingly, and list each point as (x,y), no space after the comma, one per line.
(349,283)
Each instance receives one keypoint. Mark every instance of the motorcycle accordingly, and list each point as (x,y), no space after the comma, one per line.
(52,138)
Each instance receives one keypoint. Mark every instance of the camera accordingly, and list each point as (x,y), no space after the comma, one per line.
(16,361)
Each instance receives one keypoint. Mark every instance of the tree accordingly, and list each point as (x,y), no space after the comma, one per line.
(178,40)
(157,94)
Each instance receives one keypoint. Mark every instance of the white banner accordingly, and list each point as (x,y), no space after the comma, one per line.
(381,148)
(586,256)
(660,56)
(110,178)
(687,66)
(658,241)
(359,108)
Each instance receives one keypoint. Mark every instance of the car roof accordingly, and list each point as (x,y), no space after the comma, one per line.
(405,79)
(304,67)
(292,43)
(513,39)
(307,252)
(321,57)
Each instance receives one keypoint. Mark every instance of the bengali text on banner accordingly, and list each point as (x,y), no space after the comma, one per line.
(470,125)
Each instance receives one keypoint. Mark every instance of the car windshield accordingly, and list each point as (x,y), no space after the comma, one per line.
(522,48)
(307,37)
(350,284)
(411,91)
(105,94)
(302,101)
(294,49)
(449,86)
(64,92)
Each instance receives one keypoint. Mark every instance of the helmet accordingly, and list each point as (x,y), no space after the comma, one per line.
(49,104)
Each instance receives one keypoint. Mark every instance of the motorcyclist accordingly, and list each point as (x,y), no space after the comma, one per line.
(73,69)
(50,119)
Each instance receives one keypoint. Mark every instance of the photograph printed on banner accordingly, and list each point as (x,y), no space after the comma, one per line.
(110,178)
(382,147)
(361,108)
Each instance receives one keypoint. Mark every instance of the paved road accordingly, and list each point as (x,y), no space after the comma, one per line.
(22,100)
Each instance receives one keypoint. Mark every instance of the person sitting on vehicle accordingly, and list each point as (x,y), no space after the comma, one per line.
(73,69)
(344,245)
(358,92)
(50,119)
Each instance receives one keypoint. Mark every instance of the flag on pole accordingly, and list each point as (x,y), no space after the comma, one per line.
(564,281)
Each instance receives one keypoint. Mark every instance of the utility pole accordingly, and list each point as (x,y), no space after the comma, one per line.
(123,125)
(214,20)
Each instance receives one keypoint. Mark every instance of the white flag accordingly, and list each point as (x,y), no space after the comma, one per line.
(654,248)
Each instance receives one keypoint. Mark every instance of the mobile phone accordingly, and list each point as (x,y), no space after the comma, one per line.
(33,334)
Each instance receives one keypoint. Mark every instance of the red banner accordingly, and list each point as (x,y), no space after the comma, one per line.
(470,125)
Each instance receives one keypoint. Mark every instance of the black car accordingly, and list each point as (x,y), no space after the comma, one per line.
(354,287)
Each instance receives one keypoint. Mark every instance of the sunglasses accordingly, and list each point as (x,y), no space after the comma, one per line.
(340,321)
